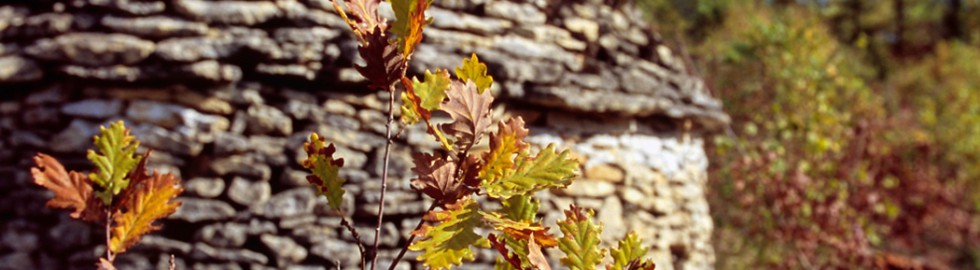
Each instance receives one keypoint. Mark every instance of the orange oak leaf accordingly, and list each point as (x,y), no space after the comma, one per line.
(384,65)
(504,144)
(470,111)
(149,198)
(520,230)
(410,19)
(71,190)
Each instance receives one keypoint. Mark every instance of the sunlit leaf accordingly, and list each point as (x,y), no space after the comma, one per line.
(450,241)
(580,240)
(476,71)
(324,169)
(630,249)
(548,169)
(519,230)
(361,16)
(507,260)
(147,200)
(470,111)
(535,257)
(409,21)
(114,157)
(504,145)
(72,191)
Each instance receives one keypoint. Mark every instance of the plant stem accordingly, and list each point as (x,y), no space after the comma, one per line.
(108,236)
(357,238)
(384,174)
(411,238)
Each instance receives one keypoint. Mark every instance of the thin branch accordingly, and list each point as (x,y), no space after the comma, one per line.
(357,238)
(173,263)
(108,236)
(384,174)
(411,238)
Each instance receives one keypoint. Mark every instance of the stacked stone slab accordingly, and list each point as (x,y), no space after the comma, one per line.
(225,92)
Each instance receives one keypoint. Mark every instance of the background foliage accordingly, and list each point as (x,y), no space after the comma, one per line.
(855,138)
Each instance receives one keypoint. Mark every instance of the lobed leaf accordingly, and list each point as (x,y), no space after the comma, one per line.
(519,230)
(71,190)
(535,256)
(421,98)
(630,249)
(508,260)
(548,169)
(409,21)
(476,71)
(324,170)
(521,208)
(147,200)
(115,158)
(362,18)
(384,65)
(450,242)
(504,145)
(580,240)
(470,112)
(437,179)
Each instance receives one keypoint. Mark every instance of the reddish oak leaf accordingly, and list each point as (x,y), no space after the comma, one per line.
(71,190)
(384,65)
(437,179)
(520,230)
(148,199)
(470,111)
(410,19)
(500,244)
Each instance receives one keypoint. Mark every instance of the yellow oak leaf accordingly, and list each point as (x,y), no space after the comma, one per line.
(148,199)
(476,71)
(451,240)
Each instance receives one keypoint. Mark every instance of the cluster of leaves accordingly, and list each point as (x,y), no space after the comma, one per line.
(510,173)
(866,153)
(119,194)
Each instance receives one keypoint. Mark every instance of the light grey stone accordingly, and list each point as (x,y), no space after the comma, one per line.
(197,210)
(93,108)
(248,192)
(285,249)
(204,187)
(298,201)
(228,12)
(92,49)
(205,252)
(154,26)
(15,69)
(227,235)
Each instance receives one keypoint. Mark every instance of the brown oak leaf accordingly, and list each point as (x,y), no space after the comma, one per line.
(437,179)
(361,16)
(71,190)
(535,256)
(384,65)
(470,111)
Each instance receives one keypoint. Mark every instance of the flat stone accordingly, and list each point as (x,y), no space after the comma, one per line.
(227,12)
(204,187)
(20,138)
(93,108)
(16,26)
(588,188)
(92,49)
(228,235)
(285,249)
(605,172)
(153,112)
(520,13)
(76,137)
(155,137)
(205,252)
(202,102)
(242,165)
(17,69)
(611,215)
(163,244)
(445,19)
(154,26)
(68,234)
(197,210)
(298,201)
(132,7)
(248,192)
(266,119)
(212,71)
(345,253)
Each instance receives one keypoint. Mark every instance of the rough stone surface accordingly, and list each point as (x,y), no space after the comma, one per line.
(226,92)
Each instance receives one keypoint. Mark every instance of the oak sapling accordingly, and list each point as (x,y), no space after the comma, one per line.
(510,173)
(119,194)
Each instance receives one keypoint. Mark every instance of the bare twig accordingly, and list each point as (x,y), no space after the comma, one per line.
(384,174)
(357,238)
(108,236)
(411,238)
(173,263)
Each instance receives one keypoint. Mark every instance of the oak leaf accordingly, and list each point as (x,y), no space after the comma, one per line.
(549,169)
(504,145)
(519,230)
(630,249)
(72,190)
(420,99)
(535,257)
(114,159)
(362,18)
(508,260)
(384,65)
(409,21)
(476,71)
(437,179)
(450,241)
(580,240)
(325,170)
(470,112)
(521,207)
(148,199)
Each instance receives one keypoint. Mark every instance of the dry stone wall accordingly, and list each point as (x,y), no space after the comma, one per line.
(225,92)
